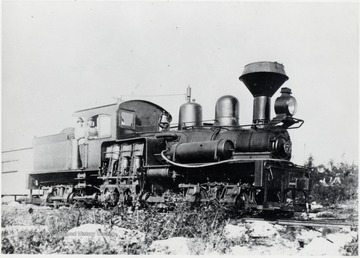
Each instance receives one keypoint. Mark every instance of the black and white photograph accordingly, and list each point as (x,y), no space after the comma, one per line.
(180,128)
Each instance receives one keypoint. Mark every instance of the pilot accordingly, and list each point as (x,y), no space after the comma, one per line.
(91,130)
(80,137)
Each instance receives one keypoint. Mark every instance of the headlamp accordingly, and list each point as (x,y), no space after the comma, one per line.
(285,104)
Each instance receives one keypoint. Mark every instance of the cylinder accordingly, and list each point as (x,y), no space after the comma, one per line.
(262,107)
(190,114)
(124,165)
(126,150)
(136,164)
(197,152)
(75,154)
(158,173)
(115,152)
(108,152)
(227,111)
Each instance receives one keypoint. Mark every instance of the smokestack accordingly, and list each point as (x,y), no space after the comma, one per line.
(263,79)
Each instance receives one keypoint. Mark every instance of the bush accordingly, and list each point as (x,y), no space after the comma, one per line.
(43,231)
(333,184)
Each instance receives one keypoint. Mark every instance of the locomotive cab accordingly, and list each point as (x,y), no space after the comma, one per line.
(118,121)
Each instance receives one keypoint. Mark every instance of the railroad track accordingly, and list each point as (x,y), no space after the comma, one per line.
(333,223)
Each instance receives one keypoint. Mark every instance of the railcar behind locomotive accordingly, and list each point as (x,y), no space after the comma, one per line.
(139,158)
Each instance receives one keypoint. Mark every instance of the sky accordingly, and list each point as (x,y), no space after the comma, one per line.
(63,56)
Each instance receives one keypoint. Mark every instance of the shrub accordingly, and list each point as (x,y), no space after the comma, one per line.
(333,184)
(205,223)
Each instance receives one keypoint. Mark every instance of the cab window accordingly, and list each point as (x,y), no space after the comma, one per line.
(104,125)
(127,119)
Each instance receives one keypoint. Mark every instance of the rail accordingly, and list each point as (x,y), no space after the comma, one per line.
(307,223)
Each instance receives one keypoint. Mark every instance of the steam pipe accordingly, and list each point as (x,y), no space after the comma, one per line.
(214,163)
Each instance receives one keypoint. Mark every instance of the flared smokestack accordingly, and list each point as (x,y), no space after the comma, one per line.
(263,79)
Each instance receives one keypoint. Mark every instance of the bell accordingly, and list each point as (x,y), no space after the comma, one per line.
(164,122)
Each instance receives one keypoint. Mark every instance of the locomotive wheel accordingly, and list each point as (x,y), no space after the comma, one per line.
(70,199)
(115,198)
(127,197)
(198,197)
(44,199)
(78,204)
(109,198)
(142,199)
(203,195)
(241,203)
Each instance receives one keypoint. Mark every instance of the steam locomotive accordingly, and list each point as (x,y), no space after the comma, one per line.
(139,158)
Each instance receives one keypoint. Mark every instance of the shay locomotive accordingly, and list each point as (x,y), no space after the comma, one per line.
(139,158)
